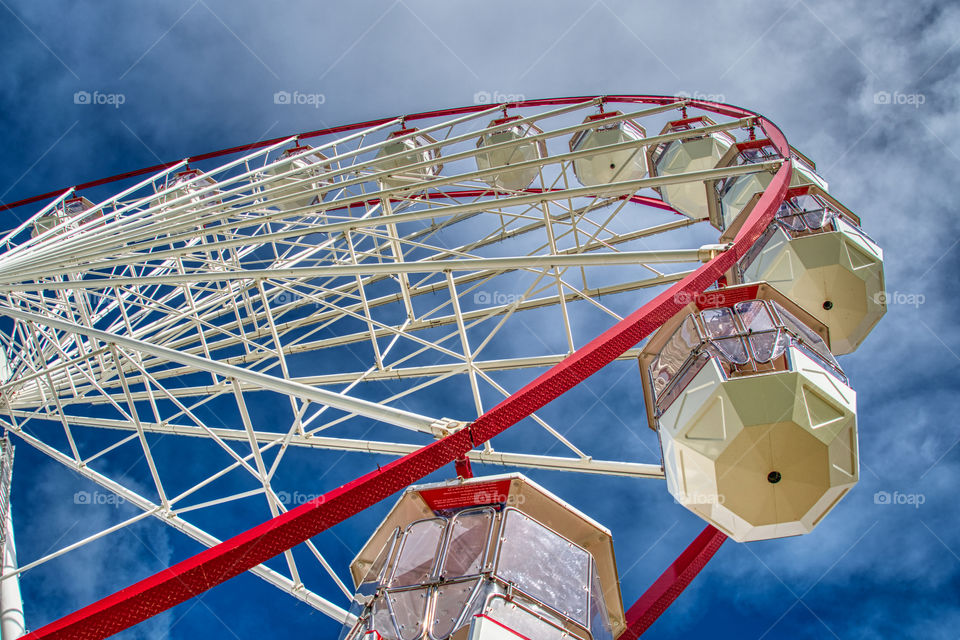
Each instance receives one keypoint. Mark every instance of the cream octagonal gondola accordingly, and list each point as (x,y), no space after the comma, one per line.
(71,209)
(190,182)
(728,198)
(682,156)
(609,166)
(755,470)
(512,149)
(404,149)
(304,182)
(816,254)
(486,559)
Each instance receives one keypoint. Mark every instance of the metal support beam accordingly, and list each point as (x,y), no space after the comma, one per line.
(267,439)
(362,269)
(12,623)
(671,583)
(373,410)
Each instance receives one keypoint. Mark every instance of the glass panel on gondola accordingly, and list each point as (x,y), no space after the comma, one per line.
(450,611)
(544,565)
(408,607)
(418,552)
(766,340)
(467,543)
(674,354)
(380,569)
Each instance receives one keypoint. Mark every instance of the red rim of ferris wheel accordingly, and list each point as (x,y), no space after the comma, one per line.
(234,556)
(715,107)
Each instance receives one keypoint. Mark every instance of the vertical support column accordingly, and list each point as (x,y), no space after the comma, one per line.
(463,467)
(12,623)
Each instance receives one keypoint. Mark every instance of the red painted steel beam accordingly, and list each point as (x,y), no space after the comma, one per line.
(463,467)
(671,583)
(228,559)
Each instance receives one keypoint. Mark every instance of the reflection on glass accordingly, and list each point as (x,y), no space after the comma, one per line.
(674,354)
(599,623)
(810,338)
(757,330)
(768,346)
(418,552)
(730,349)
(521,621)
(467,543)
(408,608)
(719,322)
(383,621)
(815,219)
(376,572)
(766,340)
(544,565)
(754,315)
(450,603)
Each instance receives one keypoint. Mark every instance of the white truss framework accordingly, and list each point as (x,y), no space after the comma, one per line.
(286,301)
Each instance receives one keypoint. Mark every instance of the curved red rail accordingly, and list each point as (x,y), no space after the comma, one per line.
(218,564)
(721,109)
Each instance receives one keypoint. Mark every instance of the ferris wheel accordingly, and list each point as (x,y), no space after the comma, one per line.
(421,287)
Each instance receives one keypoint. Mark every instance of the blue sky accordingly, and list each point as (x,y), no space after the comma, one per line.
(198,76)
